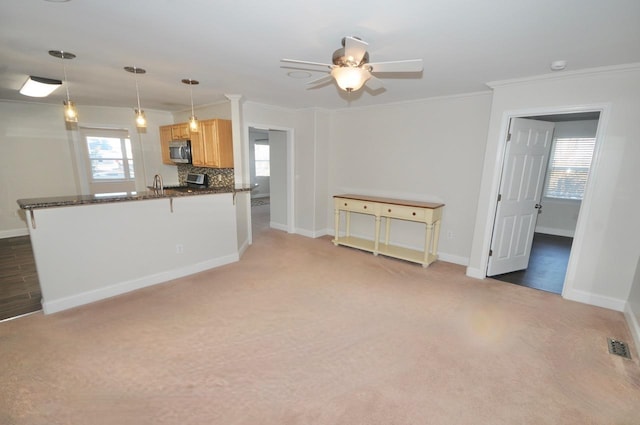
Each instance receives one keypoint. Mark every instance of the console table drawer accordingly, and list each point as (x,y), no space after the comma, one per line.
(403,212)
(356,206)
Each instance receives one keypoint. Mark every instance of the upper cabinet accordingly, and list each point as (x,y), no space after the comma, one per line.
(211,147)
(166,137)
(180,131)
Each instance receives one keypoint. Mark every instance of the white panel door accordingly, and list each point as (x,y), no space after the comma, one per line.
(523,173)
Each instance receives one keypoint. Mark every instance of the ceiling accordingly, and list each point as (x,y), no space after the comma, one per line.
(235,46)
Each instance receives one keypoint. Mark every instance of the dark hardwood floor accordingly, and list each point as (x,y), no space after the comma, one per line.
(19,285)
(547,264)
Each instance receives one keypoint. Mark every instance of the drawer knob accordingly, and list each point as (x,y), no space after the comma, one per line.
(414,213)
(365,207)
(345,204)
(389,210)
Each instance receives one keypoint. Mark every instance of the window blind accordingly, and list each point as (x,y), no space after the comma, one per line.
(569,168)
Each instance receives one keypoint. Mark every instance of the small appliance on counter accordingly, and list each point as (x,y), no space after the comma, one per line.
(197,181)
(193,182)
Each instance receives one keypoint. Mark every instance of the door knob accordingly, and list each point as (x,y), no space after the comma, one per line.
(539,208)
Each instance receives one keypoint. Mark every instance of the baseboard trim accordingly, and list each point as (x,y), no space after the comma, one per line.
(455,259)
(243,247)
(475,273)
(12,233)
(555,232)
(65,303)
(311,233)
(594,299)
(634,326)
(278,226)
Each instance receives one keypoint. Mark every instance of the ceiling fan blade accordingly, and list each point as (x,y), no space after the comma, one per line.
(354,49)
(306,62)
(374,83)
(323,79)
(413,65)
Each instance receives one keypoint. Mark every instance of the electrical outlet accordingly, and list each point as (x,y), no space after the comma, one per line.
(449,234)
(179,249)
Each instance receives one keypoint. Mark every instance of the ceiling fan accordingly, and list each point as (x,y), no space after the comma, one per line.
(351,68)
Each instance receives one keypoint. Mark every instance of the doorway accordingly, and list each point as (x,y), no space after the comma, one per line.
(270,175)
(260,175)
(549,250)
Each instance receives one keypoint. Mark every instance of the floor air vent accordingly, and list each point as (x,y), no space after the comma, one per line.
(618,348)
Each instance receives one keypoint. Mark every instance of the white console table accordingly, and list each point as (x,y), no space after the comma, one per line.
(423,212)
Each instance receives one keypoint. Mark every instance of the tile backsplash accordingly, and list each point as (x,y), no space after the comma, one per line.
(218,177)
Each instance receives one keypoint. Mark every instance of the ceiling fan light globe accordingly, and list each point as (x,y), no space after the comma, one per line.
(350,78)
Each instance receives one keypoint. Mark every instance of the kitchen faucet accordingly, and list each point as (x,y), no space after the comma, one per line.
(157,184)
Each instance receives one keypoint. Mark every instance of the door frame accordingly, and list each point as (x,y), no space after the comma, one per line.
(290,227)
(587,201)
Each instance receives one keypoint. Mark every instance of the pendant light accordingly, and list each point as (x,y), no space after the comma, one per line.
(193,121)
(141,120)
(70,111)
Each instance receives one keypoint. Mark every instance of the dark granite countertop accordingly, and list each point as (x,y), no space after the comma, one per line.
(65,201)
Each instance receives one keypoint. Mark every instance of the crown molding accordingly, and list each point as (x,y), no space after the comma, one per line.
(566,74)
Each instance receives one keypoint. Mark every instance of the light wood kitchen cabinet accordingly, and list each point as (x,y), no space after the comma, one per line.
(213,146)
(172,132)
(165,137)
(180,131)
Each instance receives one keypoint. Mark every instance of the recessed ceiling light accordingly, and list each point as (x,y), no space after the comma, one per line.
(57,1)
(299,74)
(558,65)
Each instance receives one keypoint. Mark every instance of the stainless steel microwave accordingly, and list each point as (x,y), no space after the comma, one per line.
(180,151)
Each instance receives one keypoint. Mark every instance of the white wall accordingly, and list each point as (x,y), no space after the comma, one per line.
(37,153)
(429,150)
(560,216)
(605,250)
(279,187)
(220,110)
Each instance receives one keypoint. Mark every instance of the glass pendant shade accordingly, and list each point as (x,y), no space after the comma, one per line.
(70,112)
(193,124)
(193,121)
(141,119)
(350,78)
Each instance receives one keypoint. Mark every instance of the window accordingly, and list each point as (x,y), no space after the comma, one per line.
(569,168)
(110,158)
(262,160)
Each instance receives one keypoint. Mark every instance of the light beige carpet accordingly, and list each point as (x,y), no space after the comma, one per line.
(302,332)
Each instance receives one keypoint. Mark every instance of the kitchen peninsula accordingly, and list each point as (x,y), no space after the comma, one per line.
(92,247)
